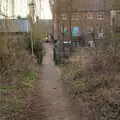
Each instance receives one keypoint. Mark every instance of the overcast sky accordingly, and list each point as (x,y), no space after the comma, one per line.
(46,13)
(21,8)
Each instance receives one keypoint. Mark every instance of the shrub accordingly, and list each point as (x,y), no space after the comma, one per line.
(18,71)
(38,48)
(98,83)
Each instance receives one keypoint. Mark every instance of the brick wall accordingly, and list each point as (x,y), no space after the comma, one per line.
(88,20)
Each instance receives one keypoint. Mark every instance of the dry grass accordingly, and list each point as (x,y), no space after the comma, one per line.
(3,45)
(18,70)
(97,83)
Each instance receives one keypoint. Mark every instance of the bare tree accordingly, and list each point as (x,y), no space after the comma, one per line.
(116,4)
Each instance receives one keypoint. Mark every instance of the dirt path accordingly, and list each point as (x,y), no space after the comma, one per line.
(48,101)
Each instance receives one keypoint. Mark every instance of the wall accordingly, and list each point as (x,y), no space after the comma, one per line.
(23,25)
(87,21)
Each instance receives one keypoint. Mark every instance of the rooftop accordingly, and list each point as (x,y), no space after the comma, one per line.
(85,5)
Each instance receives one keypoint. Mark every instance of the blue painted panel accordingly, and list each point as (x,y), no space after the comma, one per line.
(65,30)
(23,25)
(76,31)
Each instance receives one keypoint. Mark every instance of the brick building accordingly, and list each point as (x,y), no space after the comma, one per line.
(115,15)
(88,15)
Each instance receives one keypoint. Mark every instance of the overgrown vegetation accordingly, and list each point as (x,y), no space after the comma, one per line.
(18,71)
(38,48)
(97,83)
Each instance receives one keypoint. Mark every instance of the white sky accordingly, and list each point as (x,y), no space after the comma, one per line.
(22,8)
(46,13)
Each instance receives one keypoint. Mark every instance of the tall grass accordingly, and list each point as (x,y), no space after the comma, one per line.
(18,72)
(98,82)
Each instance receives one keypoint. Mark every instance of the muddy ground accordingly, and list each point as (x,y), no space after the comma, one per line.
(49,100)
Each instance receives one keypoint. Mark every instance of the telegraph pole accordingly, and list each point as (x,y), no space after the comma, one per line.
(70,17)
(13,12)
(6,13)
(13,6)
(7,8)
(32,13)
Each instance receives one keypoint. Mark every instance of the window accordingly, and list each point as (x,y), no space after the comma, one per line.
(100,16)
(64,17)
(118,22)
(90,16)
(75,17)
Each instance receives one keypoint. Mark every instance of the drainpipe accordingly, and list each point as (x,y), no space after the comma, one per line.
(70,19)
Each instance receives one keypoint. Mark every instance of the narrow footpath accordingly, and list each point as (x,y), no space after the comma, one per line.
(49,101)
